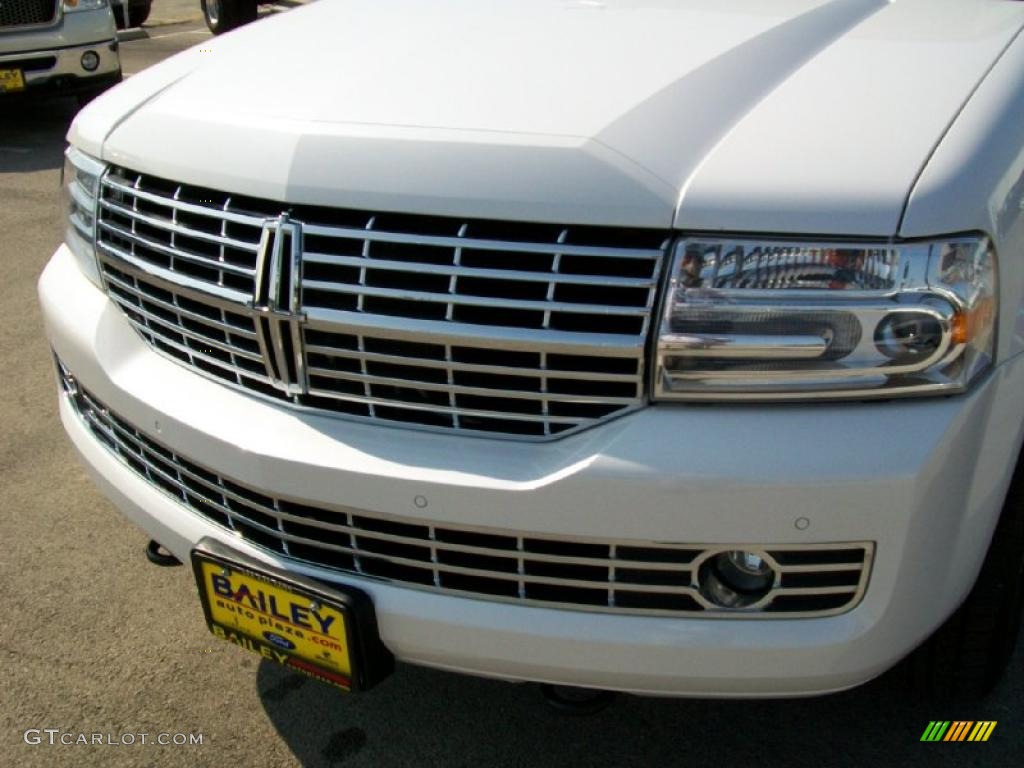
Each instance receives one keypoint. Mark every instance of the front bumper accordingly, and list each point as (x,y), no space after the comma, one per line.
(61,69)
(923,479)
(50,56)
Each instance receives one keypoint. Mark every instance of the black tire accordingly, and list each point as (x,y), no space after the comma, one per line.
(966,657)
(225,15)
(137,14)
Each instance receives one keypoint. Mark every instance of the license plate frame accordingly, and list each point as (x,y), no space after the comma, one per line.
(11,80)
(220,571)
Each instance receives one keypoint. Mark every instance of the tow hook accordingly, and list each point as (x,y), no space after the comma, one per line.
(576,701)
(158,555)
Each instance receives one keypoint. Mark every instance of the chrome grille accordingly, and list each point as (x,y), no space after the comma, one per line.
(213,337)
(23,13)
(520,329)
(485,273)
(184,234)
(628,577)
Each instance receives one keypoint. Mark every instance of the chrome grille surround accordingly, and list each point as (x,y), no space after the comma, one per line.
(508,329)
(621,577)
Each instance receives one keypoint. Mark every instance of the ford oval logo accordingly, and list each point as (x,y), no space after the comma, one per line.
(280,642)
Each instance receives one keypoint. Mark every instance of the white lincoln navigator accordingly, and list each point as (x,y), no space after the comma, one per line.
(667,347)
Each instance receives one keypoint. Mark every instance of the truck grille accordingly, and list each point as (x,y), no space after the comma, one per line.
(495,327)
(23,13)
(589,574)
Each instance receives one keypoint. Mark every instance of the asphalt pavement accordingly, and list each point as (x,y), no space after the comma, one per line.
(95,640)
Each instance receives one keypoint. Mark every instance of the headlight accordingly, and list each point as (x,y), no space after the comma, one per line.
(71,6)
(788,320)
(81,182)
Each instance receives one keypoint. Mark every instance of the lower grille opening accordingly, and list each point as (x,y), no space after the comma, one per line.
(626,577)
(32,64)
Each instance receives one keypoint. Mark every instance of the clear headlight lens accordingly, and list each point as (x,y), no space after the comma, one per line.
(71,6)
(81,182)
(788,320)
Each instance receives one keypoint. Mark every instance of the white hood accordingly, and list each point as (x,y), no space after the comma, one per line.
(760,115)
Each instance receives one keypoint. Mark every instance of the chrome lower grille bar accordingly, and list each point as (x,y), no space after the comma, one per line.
(612,576)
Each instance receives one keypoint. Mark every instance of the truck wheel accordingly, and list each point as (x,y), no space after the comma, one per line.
(967,655)
(137,14)
(225,15)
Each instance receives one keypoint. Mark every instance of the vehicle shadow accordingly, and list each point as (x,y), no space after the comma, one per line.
(422,717)
(32,132)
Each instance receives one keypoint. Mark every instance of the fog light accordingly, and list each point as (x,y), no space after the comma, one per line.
(90,60)
(736,579)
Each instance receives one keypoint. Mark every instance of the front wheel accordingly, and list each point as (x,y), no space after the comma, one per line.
(225,15)
(967,655)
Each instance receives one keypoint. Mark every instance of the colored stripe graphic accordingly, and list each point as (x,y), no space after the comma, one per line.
(958,730)
(982,730)
(935,731)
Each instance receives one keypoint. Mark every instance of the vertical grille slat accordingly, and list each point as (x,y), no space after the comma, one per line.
(530,331)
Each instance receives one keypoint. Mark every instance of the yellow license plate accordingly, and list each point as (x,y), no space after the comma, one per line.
(11,80)
(283,622)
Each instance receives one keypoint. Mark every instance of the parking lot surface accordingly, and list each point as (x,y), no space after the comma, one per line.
(95,640)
